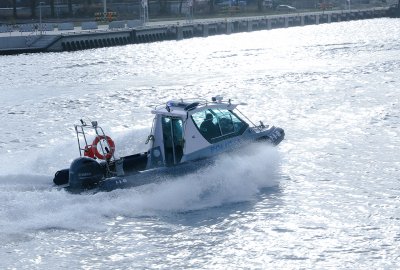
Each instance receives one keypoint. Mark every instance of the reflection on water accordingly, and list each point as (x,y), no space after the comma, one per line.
(331,202)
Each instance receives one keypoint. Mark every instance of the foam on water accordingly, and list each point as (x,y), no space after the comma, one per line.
(34,205)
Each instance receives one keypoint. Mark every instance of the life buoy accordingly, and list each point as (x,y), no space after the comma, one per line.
(89,151)
(110,151)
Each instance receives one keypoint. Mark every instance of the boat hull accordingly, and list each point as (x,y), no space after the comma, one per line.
(88,174)
(153,176)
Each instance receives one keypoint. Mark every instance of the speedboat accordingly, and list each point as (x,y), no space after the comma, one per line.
(186,135)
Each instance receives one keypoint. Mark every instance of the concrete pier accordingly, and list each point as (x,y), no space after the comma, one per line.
(205,30)
(90,35)
(229,27)
(179,32)
(249,26)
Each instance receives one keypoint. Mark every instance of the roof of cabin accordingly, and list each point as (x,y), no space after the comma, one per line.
(182,107)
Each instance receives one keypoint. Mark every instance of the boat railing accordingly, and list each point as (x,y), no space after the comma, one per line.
(200,102)
(260,127)
(104,145)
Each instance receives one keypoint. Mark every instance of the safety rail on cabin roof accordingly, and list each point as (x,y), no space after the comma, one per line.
(201,102)
(188,101)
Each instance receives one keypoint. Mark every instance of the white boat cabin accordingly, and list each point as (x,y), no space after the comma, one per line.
(187,130)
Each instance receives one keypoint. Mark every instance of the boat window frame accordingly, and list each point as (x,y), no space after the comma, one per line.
(222,136)
(174,148)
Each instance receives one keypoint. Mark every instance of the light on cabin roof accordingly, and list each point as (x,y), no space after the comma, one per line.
(217,99)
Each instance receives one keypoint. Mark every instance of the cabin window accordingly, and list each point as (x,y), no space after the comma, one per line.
(173,139)
(218,124)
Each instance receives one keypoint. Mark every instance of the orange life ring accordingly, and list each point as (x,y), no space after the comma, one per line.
(88,152)
(110,143)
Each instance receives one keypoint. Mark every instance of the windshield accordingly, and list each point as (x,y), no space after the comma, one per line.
(218,124)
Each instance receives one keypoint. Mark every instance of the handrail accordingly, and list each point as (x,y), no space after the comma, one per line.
(99,132)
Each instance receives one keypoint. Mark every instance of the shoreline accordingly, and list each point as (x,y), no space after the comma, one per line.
(68,37)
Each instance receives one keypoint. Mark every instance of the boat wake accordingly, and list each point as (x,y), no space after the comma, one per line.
(30,202)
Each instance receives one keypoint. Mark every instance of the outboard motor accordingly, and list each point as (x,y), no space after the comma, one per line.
(85,173)
(277,136)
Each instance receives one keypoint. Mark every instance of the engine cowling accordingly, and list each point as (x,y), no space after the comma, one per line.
(85,173)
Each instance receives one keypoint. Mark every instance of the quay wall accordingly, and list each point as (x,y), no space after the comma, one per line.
(96,38)
(13,42)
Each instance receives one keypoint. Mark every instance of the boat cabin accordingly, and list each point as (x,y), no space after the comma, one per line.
(184,130)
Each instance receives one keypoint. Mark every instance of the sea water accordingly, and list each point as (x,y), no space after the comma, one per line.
(328,197)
